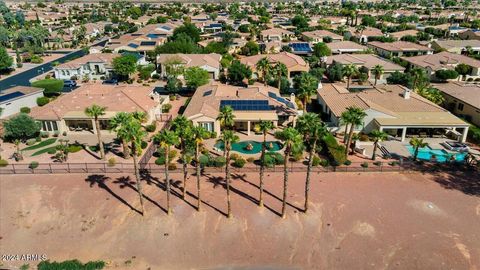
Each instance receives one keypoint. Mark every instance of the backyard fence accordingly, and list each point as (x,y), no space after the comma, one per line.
(63,168)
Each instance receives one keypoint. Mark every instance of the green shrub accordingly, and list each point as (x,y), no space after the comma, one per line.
(111,162)
(172,167)
(204,160)
(315,161)
(213,135)
(36,59)
(297,156)
(151,127)
(393,163)
(143,144)
(160,160)
(38,139)
(336,151)
(31,142)
(33,165)
(377,163)
(172,154)
(250,159)
(74,148)
(219,162)
(70,265)
(347,162)
(239,162)
(25,110)
(273,158)
(324,163)
(3,163)
(44,134)
(51,86)
(166,108)
(364,164)
(50,151)
(234,156)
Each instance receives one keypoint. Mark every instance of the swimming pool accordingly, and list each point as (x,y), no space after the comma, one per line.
(441,155)
(256,147)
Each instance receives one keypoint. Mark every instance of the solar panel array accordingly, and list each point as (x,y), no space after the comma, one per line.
(207,93)
(148,43)
(166,27)
(282,100)
(300,47)
(10,96)
(247,105)
(153,35)
(133,45)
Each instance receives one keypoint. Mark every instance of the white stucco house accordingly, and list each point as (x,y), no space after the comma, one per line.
(15,98)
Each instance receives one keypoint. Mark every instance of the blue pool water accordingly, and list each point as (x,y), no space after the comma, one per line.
(441,155)
(256,146)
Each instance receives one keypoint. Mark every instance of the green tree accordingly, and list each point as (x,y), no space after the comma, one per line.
(120,120)
(419,76)
(355,119)
(166,139)
(349,71)
(50,86)
(95,112)
(250,48)
(377,136)
(6,61)
(237,72)
(377,72)
(187,29)
(292,141)
(279,70)
(463,69)
(264,67)
(226,117)
(183,128)
(306,85)
(321,50)
(198,135)
(312,128)
(417,144)
(20,127)
(446,74)
(299,21)
(335,72)
(264,127)
(228,138)
(196,77)
(125,65)
(369,20)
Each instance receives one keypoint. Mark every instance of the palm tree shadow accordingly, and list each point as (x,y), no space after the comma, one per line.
(467,182)
(124,181)
(220,181)
(101,180)
(244,179)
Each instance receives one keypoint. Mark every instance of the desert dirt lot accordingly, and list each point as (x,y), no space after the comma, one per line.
(356,221)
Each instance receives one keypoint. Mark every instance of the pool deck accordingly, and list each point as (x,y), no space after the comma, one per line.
(210,144)
(399,148)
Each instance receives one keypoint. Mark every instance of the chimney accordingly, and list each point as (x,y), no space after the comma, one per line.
(320,86)
(406,93)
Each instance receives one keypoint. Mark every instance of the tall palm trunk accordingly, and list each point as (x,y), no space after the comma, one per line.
(227,180)
(415,154)
(99,137)
(262,169)
(345,133)
(309,170)
(279,79)
(184,172)
(264,78)
(285,182)
(348,82)
(304,103)
(137,176)
(167,181)
(349,139)
(197,167)
(375,146)
(375,80)
(126,150)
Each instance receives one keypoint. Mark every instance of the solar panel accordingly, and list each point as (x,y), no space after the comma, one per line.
(132,45)
(165,27)
(207,93)
(300,47)
(147,43)
(247,105)
(288,103)
(152,35)
(10,96)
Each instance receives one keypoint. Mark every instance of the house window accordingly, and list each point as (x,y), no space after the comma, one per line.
(460,106)
(206,125)
(49,126)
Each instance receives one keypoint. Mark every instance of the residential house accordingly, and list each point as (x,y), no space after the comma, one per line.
(276,34)
(250,106)
(368,61)
(209,62)
(17,97)
(457,46)
(398,48)
(363,36)
(92,66)
(444,60)
(346,47)
(66,114)
(462,100)
(400,34)
(470,34)
(394,109)
(318,36)
(294,63)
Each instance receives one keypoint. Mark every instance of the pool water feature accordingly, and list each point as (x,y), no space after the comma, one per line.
(256,147)
(441,155)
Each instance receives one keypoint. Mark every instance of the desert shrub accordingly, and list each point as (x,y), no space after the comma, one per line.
(219,162)
(204,160)
(234,156)
(393,163)
(364,138)
(42,101)
(213,135)
(44,134)
(151,127)
(56,133)
(70,265)
(25,110)
(111,162)
(36,59)
(51,151)
(250,159)
(364,164)
(143,144)
(377,163)
(324,162)
(172,154)
(172,166)
(272,158)
(33,165)
(315,161)
(336,151)
(74,148)
(166,108)
(297,156)
(160,160)
(239,162)
(3,163)
(347,162)
(31,141)
(38,139)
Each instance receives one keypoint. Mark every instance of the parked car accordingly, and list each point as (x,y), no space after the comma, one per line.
(111,81)
(69,83)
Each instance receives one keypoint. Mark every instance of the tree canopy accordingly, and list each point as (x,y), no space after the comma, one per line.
(21,127)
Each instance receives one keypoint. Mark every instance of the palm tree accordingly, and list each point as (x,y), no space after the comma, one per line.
(356,119)
(264,127)
(417,74)
(292,141)
(94,112)
(226,117)
(377,136)
(132,131)
(264,66)
(312,128)
(377,72)
(417,144)
(198,135)
(306,86)
(280,70)
(228,138)
(120,119)
(349,71)
(183,127)
(166,139)
(345,120)
(359,29)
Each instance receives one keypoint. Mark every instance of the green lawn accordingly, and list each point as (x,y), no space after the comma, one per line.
(43,151)
(40,144)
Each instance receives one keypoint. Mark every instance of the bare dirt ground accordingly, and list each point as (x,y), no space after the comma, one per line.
(356,221)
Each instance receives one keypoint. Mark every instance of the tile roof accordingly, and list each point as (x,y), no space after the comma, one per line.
(451,44)
(289,59)
(399,46)
(345,46)
(321,34)
(442,60)
(367,60)
(468,93)
(106,58)
(193,60)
